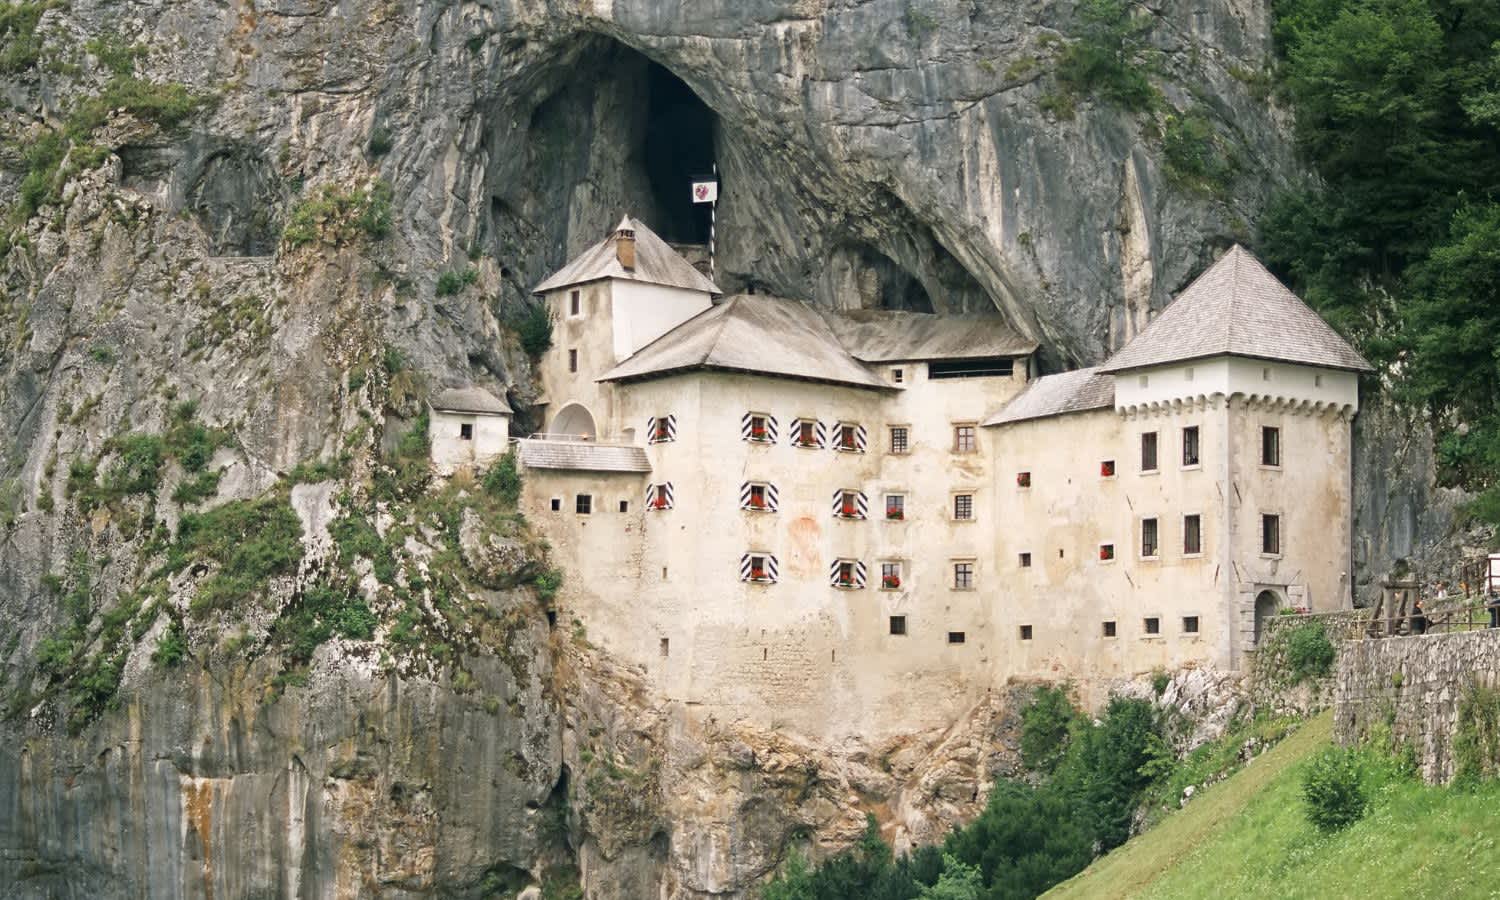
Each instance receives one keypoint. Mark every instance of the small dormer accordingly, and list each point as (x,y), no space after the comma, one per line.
(469,426)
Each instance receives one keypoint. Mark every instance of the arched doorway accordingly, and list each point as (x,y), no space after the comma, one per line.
(1267,604)
(574,421)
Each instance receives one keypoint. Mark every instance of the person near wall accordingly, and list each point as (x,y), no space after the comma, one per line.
(1493,603)
(1418,617)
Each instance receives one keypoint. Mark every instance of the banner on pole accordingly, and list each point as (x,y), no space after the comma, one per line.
(705,191)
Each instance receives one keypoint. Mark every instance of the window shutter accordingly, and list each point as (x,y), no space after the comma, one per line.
(772,575)
(671,428)
(770,427)
(771,501)
(651,429)
(833,573)
(861,439)
(661,492)
(861,504)
(860,572)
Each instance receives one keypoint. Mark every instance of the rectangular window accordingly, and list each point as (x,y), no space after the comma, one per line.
(898,375)
(1025,560)
(1106,552)
(1025,632)
(955,637)
(970,368)
(1109,629)
(963,576)
(1190,445)
(846,574)
(899,439)
(624,506)
(1152,625)
(583,504)
(758,429)
(662,429)
(1189,624)
(964,439)
(575,303)
(963,507)
(890,576)
(466,431)
(757,496)
(1148,452)
(557,504)
(1107,469)
(895,507)
(1192,534)
(755,567)
(1023,479)
(898,624)
(806,434)
(850,505)
(1270,446)
(1270,534)
(572,360)
(1149,546)
(848,437)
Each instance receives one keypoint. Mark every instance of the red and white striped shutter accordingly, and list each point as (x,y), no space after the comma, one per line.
(664,491)
(745,426)
(772,575)
(861,504)
(860,574)
(833,573)
(770,494)
(651,429)
(861,438)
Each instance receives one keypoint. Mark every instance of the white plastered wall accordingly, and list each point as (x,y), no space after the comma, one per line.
(451,452)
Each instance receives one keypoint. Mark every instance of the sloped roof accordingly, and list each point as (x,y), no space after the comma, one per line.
(881,335)
(655,263)
(470,400)
(582,456)
(752,333)
(1054,395)
(1237,308)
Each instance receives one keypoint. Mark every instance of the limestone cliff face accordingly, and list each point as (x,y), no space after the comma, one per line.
(891,153)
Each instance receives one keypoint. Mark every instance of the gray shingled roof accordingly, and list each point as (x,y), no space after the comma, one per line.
(1237,308)
(1053,395)
(882,335)
(752,333)
(470,400)
(582,456)
(655,263)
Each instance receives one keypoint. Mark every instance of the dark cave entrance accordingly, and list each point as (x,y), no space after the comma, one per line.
(678,145)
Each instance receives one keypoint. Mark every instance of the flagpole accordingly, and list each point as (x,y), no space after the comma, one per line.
(713,214)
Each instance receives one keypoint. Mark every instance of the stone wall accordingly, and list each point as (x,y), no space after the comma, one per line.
(1414,685)
(1272,686)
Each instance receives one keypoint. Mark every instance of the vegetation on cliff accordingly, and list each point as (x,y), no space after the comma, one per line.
(1398,109)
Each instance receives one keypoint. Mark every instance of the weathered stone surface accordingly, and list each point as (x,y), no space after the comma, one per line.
(499,559)
(1412,686)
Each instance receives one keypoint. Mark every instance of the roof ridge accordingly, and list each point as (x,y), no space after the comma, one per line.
(1234,294)
(729,306)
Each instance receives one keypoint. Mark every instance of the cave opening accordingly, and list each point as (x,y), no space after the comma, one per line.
(678,146)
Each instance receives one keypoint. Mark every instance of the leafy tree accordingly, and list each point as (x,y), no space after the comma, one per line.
(1045,724)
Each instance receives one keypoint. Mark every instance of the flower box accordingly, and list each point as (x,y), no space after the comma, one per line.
(890,582)
(758,575)
(845,582)
(758,433)
(1107,469)
(757,503)
(892,512)
(849,512)
(660,502)
(1106,553)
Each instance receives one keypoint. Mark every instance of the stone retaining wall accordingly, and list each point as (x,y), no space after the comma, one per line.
(1414,684)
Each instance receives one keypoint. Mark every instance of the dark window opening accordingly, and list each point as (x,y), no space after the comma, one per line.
(971,368)
(963,507)
(1025,560)
(955,637)
(1149,545)
(1153,625)
(624,506)
(557,504)
(666,646)
(551,618)
(1025,632)
(1106,552)
(575,303)
(466,431)
(679,145)
(1148,452)
(1192,534)
(898,624)
(963,576)
(584,504)
(1270,446)
(572,360)
(1190,445)
(1109,629)
(1107,469)
(1270,534)
(1190,624)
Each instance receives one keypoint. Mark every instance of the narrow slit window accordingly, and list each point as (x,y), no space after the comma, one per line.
(1192,534)
(1270,534)
(971,368)
(1190,445)
(1148,452)
(572,360)
(1270,446)
(575,303)
(1150,548)
(898,625)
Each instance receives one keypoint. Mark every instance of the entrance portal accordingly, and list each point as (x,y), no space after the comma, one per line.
(573,421)
(1266,605)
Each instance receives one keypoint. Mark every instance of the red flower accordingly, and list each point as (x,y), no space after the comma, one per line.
(848,511)
(1106,553)
(659,502)
(1107,469)
(894,512)
(890,582)
(1023,479)
(757,574)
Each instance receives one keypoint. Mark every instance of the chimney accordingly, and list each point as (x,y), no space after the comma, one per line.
(625,247)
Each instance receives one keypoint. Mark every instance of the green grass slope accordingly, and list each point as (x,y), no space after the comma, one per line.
(1248,837)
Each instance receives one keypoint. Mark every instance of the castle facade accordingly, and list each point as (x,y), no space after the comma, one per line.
(858,522)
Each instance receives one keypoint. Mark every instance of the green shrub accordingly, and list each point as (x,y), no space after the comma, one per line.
(548,584)
(1045,724)
(20,47)
(380,142)
(251,540)
(534,328)
(196,488)
(172,647)
(1195,154)
(450,283)
(1160,681)
(322,612)
(1476,743)
(503,480)
(338,215)
(355,537)
(1333,790)
(1309,652)
(1102,61)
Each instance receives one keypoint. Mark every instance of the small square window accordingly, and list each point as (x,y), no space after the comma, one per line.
(955,637)
(963,576)
(963,507)
(1023,479)
(1190,445)
(466,431)
(1265,374)
(848,437)
(1107,469)
(1109,629)
(898,375)
(1270,446)
(666,646)
(1189,624)
(1270,534)
(557,504)
(850,505)
(1192,534)
(890,576)
(759,431)
(895,507)
(1317,381)
(899,439)
(1148,452)
(1143,381)
(583,504)
(1187,374)
(965,439)
(757,499)
(1152,625)
(898,624)
(572,360)
(1025,560)
(1150,548)
(807,434)
(1025,632)
(624,506)
(575,303)
(1106,552)
(845,577)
